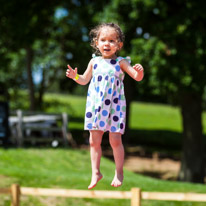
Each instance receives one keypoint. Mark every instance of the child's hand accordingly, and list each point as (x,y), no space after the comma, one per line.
(138,67)
(140,71)
(71,73)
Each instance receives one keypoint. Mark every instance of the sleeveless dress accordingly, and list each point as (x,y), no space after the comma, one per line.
(106,104)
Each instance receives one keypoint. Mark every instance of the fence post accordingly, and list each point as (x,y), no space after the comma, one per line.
(20,128)
(136,197)
(15,195)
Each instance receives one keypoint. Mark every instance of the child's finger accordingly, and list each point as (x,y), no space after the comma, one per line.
(69,67)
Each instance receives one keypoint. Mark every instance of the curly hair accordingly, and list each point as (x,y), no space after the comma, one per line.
(94,34)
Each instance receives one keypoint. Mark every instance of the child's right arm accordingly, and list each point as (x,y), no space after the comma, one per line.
(80,79)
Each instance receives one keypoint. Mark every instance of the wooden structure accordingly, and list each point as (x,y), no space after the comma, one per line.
(36,127)
(135,195)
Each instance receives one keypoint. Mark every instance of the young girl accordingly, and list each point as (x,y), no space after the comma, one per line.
(106,105)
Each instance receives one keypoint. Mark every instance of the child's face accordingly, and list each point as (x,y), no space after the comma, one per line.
(108,43)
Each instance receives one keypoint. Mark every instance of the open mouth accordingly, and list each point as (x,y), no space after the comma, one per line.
(107,50)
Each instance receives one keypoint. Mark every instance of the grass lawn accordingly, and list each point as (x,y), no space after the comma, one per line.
(154,125)
(67,168)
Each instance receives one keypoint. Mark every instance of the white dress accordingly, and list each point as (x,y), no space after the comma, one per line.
(106,104)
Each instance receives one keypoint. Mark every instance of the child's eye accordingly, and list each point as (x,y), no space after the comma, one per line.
(111,41)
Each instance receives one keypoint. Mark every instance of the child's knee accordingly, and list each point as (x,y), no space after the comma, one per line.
(115,141)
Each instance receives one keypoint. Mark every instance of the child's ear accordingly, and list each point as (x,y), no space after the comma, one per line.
(97,44)
(120,45)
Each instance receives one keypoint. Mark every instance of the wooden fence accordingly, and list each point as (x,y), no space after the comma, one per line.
(135,195)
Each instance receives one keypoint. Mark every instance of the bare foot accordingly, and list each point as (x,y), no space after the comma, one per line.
(118,180)
(95,180)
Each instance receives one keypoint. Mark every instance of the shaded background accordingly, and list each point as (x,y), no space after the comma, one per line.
(39,38)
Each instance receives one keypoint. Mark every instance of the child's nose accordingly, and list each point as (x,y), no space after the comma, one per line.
(106,42)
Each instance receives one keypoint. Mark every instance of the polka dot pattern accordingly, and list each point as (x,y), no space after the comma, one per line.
(106,105)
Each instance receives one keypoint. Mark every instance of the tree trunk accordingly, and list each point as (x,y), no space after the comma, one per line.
(29,58)
(41,89)
(192,163)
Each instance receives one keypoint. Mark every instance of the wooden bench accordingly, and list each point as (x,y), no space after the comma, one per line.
(38,127)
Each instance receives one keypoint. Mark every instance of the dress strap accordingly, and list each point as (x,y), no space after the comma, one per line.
(127,58)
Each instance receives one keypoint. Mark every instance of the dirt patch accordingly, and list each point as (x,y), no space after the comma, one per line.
(163,168)
(153,164)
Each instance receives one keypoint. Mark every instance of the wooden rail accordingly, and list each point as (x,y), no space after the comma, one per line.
(135,195)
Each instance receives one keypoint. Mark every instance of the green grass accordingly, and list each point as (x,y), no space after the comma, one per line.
(67,168)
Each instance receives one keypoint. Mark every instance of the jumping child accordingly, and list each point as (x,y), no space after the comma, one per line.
(106,104)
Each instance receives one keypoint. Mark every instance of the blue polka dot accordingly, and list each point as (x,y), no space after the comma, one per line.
(113,61)
(95,120)
(109,90)
(88,114)
(117,68)
(99,108)
(97,89)
(107,102)
(93,79)
(95,66)
(101,124)
(99,78)
(112,79)
(113,129)
(120,97)
(101,93)
(115,118)
(104,113)
(121,114)
(118,108)
(114,93)
(96,110)
(107,77)
(89,126)
(115,100)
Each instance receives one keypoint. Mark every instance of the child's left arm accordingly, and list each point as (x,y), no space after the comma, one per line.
(136,71)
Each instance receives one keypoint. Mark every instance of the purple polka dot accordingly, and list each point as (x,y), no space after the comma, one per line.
(107,77)
(95,66)
(99,78)
(113,61)
(88,114)
(115,118)
(101,93)
(115,100)
(99,108)
(121,126)
(107,102)
(117,82)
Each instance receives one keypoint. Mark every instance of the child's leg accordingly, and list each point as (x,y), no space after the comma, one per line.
(95,153)
(118,152)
